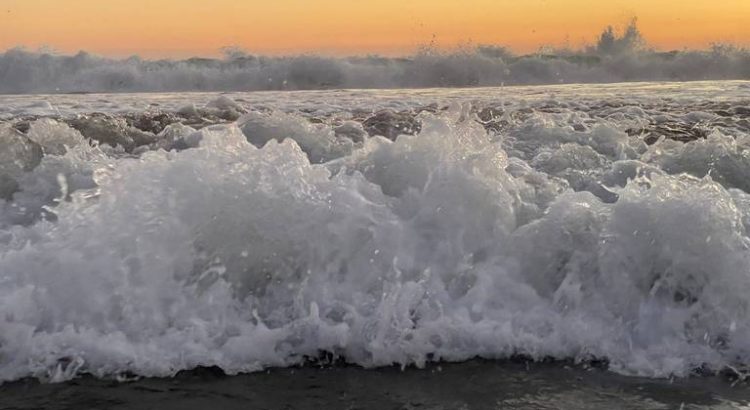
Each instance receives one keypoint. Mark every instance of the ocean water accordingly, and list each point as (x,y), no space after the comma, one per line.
(629,58)
(146,234)
(475,384)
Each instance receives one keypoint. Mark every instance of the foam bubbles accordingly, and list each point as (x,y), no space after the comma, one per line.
(268,240)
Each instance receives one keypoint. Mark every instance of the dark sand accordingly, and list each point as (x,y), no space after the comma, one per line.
(472,385)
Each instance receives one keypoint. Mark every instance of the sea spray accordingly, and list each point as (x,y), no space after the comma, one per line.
(556,233)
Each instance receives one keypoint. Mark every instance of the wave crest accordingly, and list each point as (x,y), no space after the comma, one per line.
(29,72)
(247,250)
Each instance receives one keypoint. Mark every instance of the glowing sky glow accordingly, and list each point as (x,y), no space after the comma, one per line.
(179,28)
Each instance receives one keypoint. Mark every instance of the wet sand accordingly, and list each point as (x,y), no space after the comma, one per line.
(476,384)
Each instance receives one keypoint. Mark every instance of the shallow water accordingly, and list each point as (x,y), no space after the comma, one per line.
(255,230)
(470,385)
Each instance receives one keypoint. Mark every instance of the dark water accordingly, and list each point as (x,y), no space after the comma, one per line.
(470,385)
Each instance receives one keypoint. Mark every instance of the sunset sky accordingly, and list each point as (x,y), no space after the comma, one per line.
(181,28)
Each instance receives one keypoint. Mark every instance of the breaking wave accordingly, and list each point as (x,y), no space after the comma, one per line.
(29,72)
(555,229)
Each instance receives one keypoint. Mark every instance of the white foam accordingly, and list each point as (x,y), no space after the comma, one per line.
(268,242)
(30,72)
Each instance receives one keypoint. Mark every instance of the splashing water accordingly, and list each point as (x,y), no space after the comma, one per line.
(547,228)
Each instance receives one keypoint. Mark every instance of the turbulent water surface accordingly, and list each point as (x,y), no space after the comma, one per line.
(145,234)
(618,57)
(472,385)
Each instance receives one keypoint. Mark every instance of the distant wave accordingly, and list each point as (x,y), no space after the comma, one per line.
(24,72)
(614,58)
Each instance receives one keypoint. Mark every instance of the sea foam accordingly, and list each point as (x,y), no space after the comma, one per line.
(23,71)
(549,230)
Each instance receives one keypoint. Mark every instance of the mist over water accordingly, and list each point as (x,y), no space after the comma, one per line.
(616,57)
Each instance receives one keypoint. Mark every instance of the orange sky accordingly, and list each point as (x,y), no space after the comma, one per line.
(180,28)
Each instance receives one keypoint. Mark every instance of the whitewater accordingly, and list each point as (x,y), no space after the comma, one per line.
(144,234)
(623,58)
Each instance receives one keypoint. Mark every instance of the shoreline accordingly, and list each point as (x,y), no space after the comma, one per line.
(474,384)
